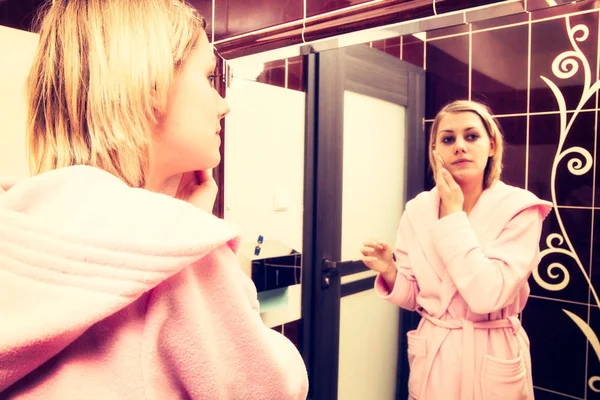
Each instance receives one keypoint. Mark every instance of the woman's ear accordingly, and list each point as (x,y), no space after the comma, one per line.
(492,152)
(155,101)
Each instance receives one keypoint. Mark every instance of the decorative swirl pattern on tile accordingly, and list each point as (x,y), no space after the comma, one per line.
(580,162)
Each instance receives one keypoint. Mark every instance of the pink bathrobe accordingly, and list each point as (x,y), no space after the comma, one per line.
(109,292)
(467,276)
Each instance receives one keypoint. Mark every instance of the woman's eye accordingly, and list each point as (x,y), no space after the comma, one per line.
(213,80)
(447,140)
(472,137)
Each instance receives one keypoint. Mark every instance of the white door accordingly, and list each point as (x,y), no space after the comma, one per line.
(365,124)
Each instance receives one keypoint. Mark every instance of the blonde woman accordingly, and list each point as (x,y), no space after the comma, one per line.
(110,288)
(462,257)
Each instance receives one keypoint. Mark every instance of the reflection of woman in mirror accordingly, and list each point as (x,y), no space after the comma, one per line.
(462,257)
(110,289)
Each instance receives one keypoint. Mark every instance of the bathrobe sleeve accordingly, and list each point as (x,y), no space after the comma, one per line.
(489,278)
(406,289)
(205,333)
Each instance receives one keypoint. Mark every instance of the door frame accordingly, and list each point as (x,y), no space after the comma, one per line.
(326,77)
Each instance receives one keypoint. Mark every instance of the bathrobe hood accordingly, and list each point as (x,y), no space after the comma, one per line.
(77,245)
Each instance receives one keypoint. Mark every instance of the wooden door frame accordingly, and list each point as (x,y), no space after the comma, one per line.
(327,75)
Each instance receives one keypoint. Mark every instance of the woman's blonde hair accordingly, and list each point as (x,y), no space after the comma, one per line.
(100,76)
(493,169)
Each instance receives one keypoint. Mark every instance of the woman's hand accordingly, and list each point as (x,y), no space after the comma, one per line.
(198,188)
(378,257)
(450,192)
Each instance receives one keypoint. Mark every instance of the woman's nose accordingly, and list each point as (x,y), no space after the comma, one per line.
(223,108)
(459,146)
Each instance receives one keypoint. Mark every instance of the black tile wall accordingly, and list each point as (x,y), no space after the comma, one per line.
(447,72)
(557,367)
(413,50)
(550,39)
(499,70)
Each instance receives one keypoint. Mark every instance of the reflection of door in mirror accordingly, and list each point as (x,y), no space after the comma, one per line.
(373,190)
(369,122)
(264,177)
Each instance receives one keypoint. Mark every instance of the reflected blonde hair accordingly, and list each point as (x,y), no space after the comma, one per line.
(493,169)
(100,76)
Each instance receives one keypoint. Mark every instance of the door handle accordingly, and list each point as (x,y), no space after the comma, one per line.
(328,264)
(328,272)
(333,269)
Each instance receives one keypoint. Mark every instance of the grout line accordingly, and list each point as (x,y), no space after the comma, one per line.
(559,393)
(494,28)
(594,165)
(425,53)
(304,22)
(401,47)
(590,208)
(594,158)
(433,39)
(542,113)
(528,102)
(525,114)
(470,60)
(566,15)
(587,342)
(285,84)
(212,25)
(578,303)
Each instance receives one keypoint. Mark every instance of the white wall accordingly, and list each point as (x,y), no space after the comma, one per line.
(264,162)
(17,49)
(264,173)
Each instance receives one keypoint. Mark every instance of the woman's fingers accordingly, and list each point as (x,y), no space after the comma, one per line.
(367,250)
(441,183)
(440,161)
(374,247)
(376,254)
(376,244)
(375,263)
(371,243)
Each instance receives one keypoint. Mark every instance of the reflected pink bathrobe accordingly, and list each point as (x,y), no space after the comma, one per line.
(109,292)
(467,276)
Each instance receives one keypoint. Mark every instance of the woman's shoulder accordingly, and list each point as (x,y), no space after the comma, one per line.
(95,206)
(424,201)
(423,208)
(502,199)
(508,192)
(424,197)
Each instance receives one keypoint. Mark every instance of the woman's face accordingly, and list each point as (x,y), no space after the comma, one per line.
(464,144)
(187,136)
